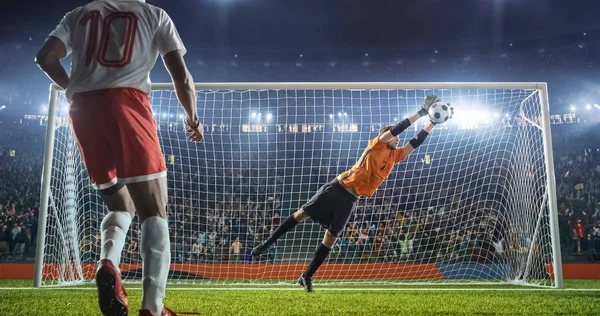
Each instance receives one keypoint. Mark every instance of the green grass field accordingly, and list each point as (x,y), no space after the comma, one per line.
(578,298)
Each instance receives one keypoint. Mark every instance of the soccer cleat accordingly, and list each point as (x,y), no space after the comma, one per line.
(306,283)
(112,297)
(165,312)
(258,250)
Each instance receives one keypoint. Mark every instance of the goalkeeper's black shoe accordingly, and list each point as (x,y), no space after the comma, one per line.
(306,283)
(258,250)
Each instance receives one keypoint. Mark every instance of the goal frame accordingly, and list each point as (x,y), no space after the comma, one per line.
(540,87)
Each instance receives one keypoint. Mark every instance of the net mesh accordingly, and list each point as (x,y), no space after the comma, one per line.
(469,205)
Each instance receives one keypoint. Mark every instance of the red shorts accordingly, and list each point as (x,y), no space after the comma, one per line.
(117,136)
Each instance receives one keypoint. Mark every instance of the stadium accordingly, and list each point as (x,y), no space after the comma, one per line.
(496,212)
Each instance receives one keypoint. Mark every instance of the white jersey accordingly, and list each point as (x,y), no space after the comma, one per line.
(115,44)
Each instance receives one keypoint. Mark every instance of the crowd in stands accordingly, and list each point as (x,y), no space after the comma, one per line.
(464,231)
(20,172)
(225,233)
(223,220)
(578,186)
(22,134)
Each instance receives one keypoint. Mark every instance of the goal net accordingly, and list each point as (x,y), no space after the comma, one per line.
(474,204)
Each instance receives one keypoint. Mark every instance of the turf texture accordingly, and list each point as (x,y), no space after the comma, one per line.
(580,297)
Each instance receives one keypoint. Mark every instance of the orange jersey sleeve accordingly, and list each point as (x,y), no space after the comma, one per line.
(373,166)
(399,155)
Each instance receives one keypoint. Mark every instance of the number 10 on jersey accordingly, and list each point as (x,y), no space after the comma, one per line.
(97,53)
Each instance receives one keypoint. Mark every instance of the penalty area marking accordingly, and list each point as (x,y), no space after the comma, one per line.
(301,289)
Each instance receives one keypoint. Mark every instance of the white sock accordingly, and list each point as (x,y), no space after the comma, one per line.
(113,232)
(155,250)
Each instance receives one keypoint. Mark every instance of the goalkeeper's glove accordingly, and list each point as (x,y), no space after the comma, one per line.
(429,100)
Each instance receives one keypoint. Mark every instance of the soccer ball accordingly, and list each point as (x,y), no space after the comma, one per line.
(439,112)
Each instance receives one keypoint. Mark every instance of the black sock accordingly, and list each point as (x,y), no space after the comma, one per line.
(317,261)
(285,226)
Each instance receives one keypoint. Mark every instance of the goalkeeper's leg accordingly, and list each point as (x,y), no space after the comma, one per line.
(288,224)
(322,252)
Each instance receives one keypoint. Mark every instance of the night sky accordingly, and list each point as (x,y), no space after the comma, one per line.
(310,40)
(276,26)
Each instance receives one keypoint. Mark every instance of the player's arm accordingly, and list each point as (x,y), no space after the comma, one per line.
(48,59)
(417,140)
(407,122)
(185,90)
(172,49)
(56,47)
(183,82)
(420,138)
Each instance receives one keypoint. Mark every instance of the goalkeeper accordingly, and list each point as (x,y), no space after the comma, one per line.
(332,205)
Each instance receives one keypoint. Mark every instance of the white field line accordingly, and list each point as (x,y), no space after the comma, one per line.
(301,289)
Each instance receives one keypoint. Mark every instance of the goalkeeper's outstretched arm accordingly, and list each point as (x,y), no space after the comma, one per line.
(418,140)
(404,124)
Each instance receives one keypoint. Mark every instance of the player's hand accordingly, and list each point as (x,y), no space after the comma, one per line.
(430,100)
(195,128)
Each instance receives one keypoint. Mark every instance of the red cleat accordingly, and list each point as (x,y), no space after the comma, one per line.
(112,297)
(165,312)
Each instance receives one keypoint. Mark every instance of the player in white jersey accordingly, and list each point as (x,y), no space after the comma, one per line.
(115,44)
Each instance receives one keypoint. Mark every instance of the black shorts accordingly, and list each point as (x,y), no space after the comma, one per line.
(331,207)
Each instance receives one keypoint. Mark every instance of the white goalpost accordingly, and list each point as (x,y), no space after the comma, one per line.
(475,204)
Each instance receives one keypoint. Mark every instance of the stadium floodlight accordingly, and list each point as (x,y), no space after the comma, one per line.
(3,107)
(588,106)
(597,106)
(330,115)
(269,116)
(515,200)
(345,114)
(572,108)
(253,115)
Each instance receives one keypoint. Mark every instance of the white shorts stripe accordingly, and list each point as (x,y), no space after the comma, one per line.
(137,179)
(143,178)
(106,185)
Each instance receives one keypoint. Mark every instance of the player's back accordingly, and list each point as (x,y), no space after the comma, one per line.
(373,167)
(115,43)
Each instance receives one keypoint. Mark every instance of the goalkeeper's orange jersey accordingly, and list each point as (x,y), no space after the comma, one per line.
(374,165)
